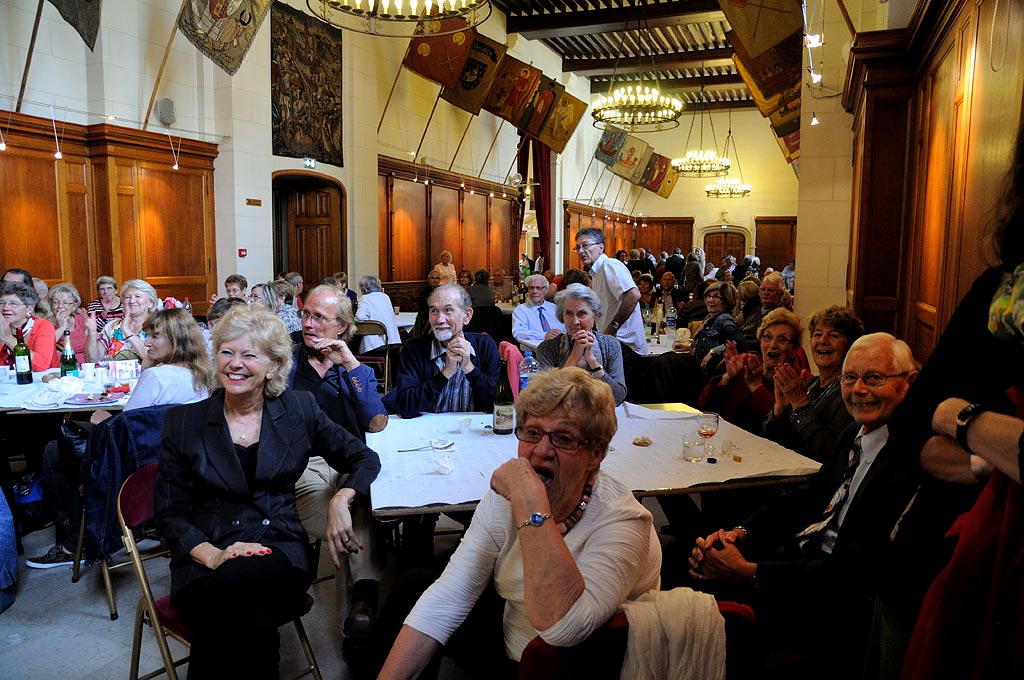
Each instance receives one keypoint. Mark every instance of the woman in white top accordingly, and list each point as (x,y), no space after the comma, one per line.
(447,270)
(564,544)
(375,305)
(181,370)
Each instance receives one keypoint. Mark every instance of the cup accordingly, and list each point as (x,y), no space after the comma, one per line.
(397,310)
(4,372)
(693,450)
(101,374)
(88,371)
(464,424)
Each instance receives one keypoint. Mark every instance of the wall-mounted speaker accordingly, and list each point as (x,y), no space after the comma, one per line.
(165,111)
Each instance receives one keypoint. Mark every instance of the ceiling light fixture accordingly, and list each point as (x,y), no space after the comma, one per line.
(398,18)
(814,119)
(729,187)
(639,106)
(701,162)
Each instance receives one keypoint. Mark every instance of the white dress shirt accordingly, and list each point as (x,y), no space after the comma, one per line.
(526,326)
(610,280)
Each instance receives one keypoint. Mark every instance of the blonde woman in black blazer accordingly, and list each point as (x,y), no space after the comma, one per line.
(225,499)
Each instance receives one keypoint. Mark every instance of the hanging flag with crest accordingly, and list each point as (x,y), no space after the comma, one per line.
(223,30)
(477,75)
(84,17)
(440,58)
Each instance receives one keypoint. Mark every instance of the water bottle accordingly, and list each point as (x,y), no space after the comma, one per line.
(527,367)
(187,306)
(670,317)
(647,321)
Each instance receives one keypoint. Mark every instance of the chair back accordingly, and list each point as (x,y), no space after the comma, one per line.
(491,320)
(371,328)
(509,351)
(599,657)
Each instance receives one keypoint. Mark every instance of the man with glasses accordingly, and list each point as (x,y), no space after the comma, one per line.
(534,321)
(617,292)
(346,391)
(830,532)
(772,289)
(235,286)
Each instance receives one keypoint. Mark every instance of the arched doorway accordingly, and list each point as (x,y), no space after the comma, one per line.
(309,224)
(718,244)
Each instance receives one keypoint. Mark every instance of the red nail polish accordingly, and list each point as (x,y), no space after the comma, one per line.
(234,554)
(249,552)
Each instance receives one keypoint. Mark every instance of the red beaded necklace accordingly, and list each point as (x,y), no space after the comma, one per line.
(577,514)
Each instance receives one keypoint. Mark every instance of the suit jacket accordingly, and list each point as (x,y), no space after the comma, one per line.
(419,381)
(202,494)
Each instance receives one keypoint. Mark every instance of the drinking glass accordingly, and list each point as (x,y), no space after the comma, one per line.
(707,427)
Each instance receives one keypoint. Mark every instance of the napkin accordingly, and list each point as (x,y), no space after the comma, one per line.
(47,399)
(67,385)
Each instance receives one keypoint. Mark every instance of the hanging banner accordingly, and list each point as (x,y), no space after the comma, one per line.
(223,30)
(609,146)
(440,58)
(657,169)
(512,90)
(477,75)
(668,184)
(565,115)
(536,113)
(632,158)
(763,24)
(84,17)
(777,68)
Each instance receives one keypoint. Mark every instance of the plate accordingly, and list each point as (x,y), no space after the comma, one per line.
(93,399)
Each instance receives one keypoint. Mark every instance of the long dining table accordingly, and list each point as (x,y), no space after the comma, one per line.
(39,397)
(450,470)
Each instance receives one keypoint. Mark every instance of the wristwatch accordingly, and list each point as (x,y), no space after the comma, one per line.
(616,325)
(536,519)
(964,420)
(595,369)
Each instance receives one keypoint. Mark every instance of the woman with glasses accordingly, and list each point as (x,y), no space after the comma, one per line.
(719,327)
(68,315)
(745,393)
(17,306)
(809,415)
(554,550)
(579,308)
(107,307)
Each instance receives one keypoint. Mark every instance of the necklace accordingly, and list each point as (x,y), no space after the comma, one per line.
(577,514)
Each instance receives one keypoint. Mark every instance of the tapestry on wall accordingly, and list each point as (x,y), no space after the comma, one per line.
(305,86)
(223,30)
(84,17)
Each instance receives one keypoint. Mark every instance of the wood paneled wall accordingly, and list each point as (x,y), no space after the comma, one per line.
(776,240)
(936,111)
(622,232)
(423,211)
(112,205)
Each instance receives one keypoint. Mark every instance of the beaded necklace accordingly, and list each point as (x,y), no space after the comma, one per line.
(577,514)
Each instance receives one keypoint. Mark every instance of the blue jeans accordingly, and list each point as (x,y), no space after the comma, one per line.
(8,555)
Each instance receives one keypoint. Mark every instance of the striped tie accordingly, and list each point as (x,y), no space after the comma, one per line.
(811,537)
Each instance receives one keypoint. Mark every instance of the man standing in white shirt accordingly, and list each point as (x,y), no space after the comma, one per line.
(534,321)
(617,292)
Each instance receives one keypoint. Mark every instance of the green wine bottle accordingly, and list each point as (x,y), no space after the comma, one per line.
(504,406)
(68,362)
(22,360)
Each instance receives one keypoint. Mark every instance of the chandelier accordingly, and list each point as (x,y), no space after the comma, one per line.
(701,162)
(729,187)
(637,107)
(398,18)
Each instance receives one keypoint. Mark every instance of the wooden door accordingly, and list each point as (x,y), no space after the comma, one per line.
(776,241)
(314,231)
(721,243)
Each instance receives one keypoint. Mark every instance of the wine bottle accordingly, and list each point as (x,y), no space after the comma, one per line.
(504,407)
(22,360)
(68,362)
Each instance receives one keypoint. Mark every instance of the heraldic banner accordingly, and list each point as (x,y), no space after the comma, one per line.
(223,30)
(84,17)
(305,86)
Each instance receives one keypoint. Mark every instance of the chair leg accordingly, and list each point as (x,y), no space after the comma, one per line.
(307,649)
(140,611)
(76,569)
(105,570)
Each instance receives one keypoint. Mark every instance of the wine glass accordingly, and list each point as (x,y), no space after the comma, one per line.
(707,427)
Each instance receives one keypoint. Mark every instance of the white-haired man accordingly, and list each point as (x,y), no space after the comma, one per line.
(535,321)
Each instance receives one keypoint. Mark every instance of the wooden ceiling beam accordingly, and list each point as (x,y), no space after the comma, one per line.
(608,20)
(713,58)
(680,84)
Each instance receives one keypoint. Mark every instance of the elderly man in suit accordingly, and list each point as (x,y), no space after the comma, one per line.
(809,560)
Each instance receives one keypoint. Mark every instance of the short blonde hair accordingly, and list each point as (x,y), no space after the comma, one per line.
(587,403)
(67,289)
(267,332)
(785,317)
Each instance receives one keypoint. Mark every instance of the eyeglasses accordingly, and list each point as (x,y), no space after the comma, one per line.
(869,379)
(772,291)
(318,318)
(539,288)
(560,440)
(713,297)
(13,304)
(583,246)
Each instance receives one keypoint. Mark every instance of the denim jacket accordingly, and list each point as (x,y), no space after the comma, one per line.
(713,334)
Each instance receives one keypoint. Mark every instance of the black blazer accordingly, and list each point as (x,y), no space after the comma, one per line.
(202,494)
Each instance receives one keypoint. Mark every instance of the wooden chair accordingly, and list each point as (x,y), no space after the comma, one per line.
(135,507)
(383,361)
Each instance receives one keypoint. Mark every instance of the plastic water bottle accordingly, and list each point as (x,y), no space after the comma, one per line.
(527,367)
(670,317)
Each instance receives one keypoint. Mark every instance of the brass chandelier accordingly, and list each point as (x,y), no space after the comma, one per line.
(729,187)
(399,18)
(701,161)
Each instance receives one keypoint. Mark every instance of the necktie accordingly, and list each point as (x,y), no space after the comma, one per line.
(543,320)
(811,537)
